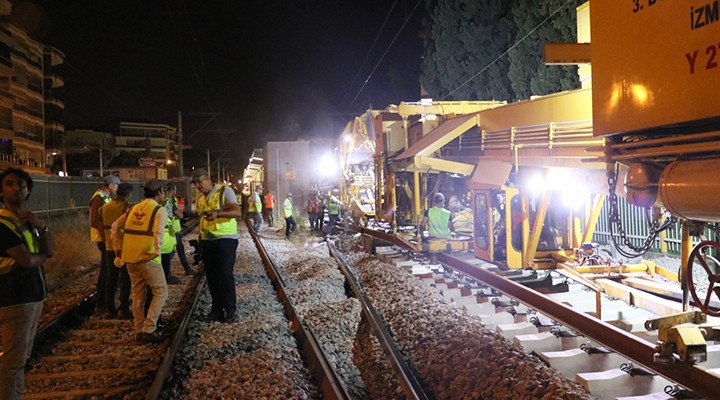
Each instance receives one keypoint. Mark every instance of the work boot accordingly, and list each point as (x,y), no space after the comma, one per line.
(161,323)
(154,337)
(124,313)
(214,316)
(230,317)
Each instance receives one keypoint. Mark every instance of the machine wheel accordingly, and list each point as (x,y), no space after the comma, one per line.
(709,265)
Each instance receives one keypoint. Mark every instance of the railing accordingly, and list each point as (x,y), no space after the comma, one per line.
(635,225)
(60,195)
(554,134)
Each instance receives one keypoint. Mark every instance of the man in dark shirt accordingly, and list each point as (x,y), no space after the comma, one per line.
(24,246)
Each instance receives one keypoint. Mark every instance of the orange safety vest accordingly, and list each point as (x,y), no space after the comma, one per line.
(269,200)
(313,206)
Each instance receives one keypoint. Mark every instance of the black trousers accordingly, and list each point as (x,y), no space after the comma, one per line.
(100,295)
(290,226)
(116,277)
(219,260)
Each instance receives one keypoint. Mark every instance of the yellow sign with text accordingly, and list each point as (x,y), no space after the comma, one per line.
(654,63)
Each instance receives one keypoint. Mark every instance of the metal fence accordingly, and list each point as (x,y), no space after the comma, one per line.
(59,195)
(635,224)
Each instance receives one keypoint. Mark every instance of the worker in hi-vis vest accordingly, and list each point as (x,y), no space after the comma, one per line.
(25,244)
(137,237)
(290,224)
(218,210)
(101,197)
(437,219)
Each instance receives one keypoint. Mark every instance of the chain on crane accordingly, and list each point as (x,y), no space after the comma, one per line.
(614,222)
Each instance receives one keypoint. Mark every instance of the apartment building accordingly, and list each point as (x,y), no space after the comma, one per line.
(31,123)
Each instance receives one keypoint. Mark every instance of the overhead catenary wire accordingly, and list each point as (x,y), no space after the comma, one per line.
(367,56)
(197,67)
(508,50)
(384,54)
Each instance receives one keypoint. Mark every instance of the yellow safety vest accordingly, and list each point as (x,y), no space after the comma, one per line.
(220,227)
(110,212)
(169,240)
(94,233)
(138,236)
(20,285)
(23,230)
(287,208)
(255,203)
(334,206)
(438,220)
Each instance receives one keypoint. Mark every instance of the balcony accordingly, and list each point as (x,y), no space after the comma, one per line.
(29,136)
(55,81)
(28,110)
(31,166)
(35,87)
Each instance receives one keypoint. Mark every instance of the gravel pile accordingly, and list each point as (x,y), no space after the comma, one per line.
(456,356)
(254,358)
(317,289)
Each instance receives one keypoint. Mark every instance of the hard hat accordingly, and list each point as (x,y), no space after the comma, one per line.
(438,198)
(289,194)
(336,190)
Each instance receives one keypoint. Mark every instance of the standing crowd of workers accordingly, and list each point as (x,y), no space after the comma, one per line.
(261,204)
(137,243)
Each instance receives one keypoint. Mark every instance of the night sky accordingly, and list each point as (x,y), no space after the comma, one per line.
(275,70)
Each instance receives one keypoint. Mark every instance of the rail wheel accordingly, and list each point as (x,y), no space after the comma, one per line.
(707,264)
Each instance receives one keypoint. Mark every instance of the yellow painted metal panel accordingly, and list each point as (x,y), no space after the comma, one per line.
(567,53)
(655,62)
(438,164)
(575,105)
(490,174)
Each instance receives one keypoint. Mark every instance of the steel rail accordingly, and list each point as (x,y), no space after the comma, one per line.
(165,370)
(325,375)
(692,377)
(166,366)
(410,383)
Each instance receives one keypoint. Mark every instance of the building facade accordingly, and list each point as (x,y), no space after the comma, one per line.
(157,143)
(30,105)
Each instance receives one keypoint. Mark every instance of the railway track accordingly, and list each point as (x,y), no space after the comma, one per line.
(613,356)
(80,355)
(344,332)
(372,327)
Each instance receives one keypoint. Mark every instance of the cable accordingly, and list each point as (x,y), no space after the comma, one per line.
(198,68)
(385,53)
(372,46)
(508,50)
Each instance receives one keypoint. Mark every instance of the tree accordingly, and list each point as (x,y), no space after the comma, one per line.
(528,74)
(467,37)
(466,51)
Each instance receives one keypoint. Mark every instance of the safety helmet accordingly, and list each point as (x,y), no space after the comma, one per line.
(438,198)
(336,191)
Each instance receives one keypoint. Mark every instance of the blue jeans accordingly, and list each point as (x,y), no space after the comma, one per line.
(180,247)
(18,324)
(290,226)
(331,224)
